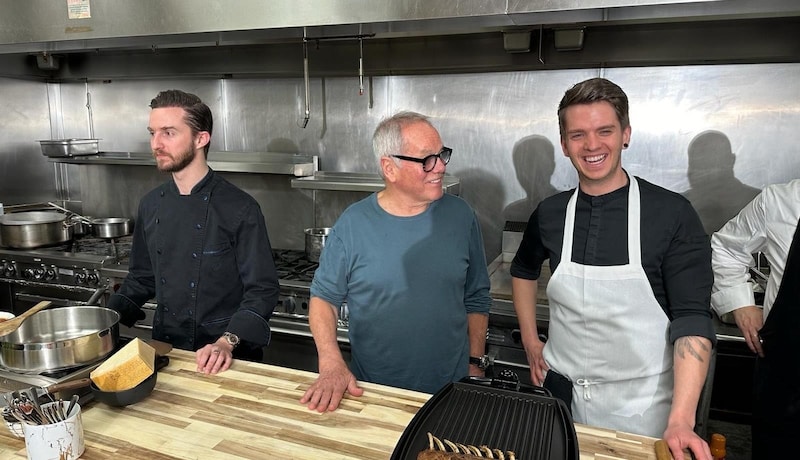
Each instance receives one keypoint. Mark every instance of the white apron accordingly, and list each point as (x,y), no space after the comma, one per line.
(609,336)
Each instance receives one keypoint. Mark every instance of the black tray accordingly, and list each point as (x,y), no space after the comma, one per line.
(534,425)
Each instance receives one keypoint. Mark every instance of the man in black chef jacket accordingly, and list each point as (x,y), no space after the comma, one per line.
(200,247)
(767,224)
(630,333)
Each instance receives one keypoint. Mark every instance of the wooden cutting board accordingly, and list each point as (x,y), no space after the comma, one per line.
(252,411)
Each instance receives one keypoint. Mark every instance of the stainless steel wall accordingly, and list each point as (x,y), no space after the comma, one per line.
(715,133)
(24,118)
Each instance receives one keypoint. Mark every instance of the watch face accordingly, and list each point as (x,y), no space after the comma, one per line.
(232,339)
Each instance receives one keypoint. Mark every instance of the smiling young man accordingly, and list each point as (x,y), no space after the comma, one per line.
(200,247)
(409,262)
(630,333)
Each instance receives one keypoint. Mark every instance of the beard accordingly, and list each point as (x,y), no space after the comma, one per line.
(175,163)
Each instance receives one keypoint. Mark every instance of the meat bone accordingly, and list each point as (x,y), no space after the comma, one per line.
(10,325)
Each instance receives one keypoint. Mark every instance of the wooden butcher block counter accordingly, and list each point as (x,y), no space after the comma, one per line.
(252,411)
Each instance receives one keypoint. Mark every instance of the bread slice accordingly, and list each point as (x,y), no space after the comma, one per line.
(126,368)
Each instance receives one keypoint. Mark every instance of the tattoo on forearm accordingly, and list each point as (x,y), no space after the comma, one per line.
(691,346)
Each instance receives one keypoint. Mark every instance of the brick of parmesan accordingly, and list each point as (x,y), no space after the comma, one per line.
(126,368)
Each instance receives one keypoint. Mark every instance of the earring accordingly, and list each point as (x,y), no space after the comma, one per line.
(625,146)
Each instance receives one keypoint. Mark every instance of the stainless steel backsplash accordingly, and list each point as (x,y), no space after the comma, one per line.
(714,133)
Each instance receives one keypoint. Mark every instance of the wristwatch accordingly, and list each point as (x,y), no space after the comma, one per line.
(231,338)
(482,362)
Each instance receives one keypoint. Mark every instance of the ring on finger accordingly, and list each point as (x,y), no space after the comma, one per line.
(215,351)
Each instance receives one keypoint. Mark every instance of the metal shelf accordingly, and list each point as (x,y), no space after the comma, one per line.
(262,163)
(358,182)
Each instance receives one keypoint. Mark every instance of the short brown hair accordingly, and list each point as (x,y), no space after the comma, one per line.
(198,115)
(595,90)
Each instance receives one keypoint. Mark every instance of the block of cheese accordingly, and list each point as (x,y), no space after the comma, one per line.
(126,368)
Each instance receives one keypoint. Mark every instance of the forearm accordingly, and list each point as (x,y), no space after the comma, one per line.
(691,356)
(322,319)
(524,298)
(477,323)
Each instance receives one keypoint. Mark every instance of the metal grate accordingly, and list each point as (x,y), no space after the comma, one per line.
(534,427)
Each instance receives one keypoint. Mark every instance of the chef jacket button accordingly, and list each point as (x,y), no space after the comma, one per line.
(190,312)
(205,197)
(158,221)
(194,255)
(198,226)
(158,251)
(162,193)
(166,309)
(167,337)
(163,281)
(191,284)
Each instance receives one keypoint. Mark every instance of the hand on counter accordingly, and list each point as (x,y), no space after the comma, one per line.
(327,391)
(750,320)
(680,436)
(214,357)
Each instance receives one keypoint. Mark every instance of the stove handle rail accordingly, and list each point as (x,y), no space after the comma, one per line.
(97,294)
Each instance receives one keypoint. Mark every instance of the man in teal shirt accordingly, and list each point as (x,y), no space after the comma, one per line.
(409,262)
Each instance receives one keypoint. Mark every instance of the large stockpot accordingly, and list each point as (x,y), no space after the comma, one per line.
(33,229)
(315,241)
(60,338)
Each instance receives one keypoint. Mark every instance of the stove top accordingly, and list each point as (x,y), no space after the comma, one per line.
(293,265)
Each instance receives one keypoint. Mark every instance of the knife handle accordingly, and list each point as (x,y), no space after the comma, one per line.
(69,385)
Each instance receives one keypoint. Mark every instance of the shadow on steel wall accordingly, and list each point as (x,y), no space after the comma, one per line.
(716,194)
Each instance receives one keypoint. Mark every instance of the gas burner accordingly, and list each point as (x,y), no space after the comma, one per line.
(119,249)
(293,265)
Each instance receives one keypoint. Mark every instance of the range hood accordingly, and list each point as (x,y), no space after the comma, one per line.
(61,26)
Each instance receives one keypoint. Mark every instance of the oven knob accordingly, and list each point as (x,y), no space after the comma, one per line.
(38,273)
(50,274)
(10,269)
(81,277)
(27,273)
(93,278)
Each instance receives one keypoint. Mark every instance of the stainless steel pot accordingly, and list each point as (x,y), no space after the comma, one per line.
(60,338)
(112,227)
(33,229)
(315,241)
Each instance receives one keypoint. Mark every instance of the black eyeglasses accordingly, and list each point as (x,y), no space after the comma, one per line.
(429,162)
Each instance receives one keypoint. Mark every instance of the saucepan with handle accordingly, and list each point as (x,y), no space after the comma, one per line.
(111,227)
(58,338)
(111,398)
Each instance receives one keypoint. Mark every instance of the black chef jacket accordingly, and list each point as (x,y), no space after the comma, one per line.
(206,259)
(676,253)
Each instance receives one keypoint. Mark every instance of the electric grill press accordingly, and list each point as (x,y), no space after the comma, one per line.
(500,413)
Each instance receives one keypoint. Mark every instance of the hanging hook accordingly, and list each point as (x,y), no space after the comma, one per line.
(305,80)
(360,66)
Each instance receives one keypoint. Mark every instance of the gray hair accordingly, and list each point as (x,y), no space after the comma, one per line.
(388,138)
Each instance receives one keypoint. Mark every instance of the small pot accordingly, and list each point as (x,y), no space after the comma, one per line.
(315,241)
(112,227)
